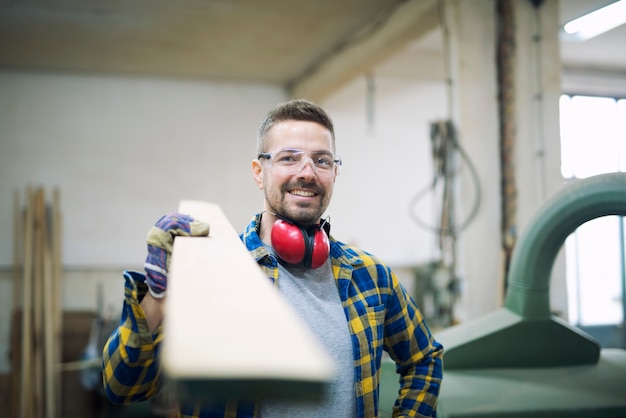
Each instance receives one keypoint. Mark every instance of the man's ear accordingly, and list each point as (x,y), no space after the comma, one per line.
(257,173)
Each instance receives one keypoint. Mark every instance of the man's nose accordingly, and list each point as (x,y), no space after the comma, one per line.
(307,166)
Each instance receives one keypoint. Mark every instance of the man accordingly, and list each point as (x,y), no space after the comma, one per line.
(350,299)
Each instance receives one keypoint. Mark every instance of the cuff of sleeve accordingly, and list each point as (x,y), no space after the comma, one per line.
(135,286)
(135,336)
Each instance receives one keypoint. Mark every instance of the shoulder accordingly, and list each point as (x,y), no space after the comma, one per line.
(354,255)
(250,236)
(363,263)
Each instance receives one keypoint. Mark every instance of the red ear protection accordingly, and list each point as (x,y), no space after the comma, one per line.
(298,245)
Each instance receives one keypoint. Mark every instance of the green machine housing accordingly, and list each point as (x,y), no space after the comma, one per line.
(520,360)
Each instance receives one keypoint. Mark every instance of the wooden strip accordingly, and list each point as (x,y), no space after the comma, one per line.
(26,371)
(37,349)
(229,333)
(48,323)
(57,282)
(17,243)
(78,365)
(18,239)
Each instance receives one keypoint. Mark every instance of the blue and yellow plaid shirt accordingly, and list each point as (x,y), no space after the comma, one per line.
(381,317)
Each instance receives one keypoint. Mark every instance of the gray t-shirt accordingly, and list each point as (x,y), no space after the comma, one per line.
(314,295)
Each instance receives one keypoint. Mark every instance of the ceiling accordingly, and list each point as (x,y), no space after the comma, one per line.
(302,44)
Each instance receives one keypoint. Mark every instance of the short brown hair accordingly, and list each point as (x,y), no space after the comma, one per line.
(296,109)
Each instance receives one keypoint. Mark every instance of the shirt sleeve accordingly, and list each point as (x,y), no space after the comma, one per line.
(418,356)
(130,359)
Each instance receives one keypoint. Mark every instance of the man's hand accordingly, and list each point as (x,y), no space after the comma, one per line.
(160,242)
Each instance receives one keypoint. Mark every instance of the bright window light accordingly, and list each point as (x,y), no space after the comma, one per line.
(597,22)
(593,141)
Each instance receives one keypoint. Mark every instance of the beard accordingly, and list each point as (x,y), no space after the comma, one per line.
(303,213)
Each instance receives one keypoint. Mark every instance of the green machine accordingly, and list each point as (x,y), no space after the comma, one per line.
(520,360)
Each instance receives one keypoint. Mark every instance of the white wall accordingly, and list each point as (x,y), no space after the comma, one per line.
(385,165)
(123,151)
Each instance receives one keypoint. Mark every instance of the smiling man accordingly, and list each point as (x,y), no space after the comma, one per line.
(350,299)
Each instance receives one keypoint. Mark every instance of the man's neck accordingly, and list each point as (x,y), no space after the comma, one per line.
(265,228)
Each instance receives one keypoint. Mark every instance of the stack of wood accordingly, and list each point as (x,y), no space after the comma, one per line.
(36,380)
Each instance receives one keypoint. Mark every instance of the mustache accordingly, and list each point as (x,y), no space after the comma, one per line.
(311,186)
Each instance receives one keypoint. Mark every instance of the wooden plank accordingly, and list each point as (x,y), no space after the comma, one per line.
(17,243)
(18,239)
(49,397)
(38,313)
(57,282)
(27,285)
(228,332)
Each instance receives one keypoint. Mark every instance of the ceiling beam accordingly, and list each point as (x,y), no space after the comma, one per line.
(408,22)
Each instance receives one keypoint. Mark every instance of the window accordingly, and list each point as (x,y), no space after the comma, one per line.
(593,141)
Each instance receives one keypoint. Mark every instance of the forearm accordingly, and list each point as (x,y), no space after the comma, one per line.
(153,311)
(131,369)
(421,366)
(126,381)
(420,385)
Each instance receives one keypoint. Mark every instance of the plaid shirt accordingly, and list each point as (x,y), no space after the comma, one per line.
(381,316)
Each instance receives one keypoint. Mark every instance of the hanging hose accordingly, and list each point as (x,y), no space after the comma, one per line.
(444,147)
(533,257)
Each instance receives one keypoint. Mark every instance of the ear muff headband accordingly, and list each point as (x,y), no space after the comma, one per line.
(295,244)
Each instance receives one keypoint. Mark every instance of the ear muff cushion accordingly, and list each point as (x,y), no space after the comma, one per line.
(288,241)
(295,245)
(321,249)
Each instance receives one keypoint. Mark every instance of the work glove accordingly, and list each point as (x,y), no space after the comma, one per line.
(160,243)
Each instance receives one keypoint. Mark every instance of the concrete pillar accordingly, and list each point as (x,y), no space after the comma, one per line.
(472,29)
